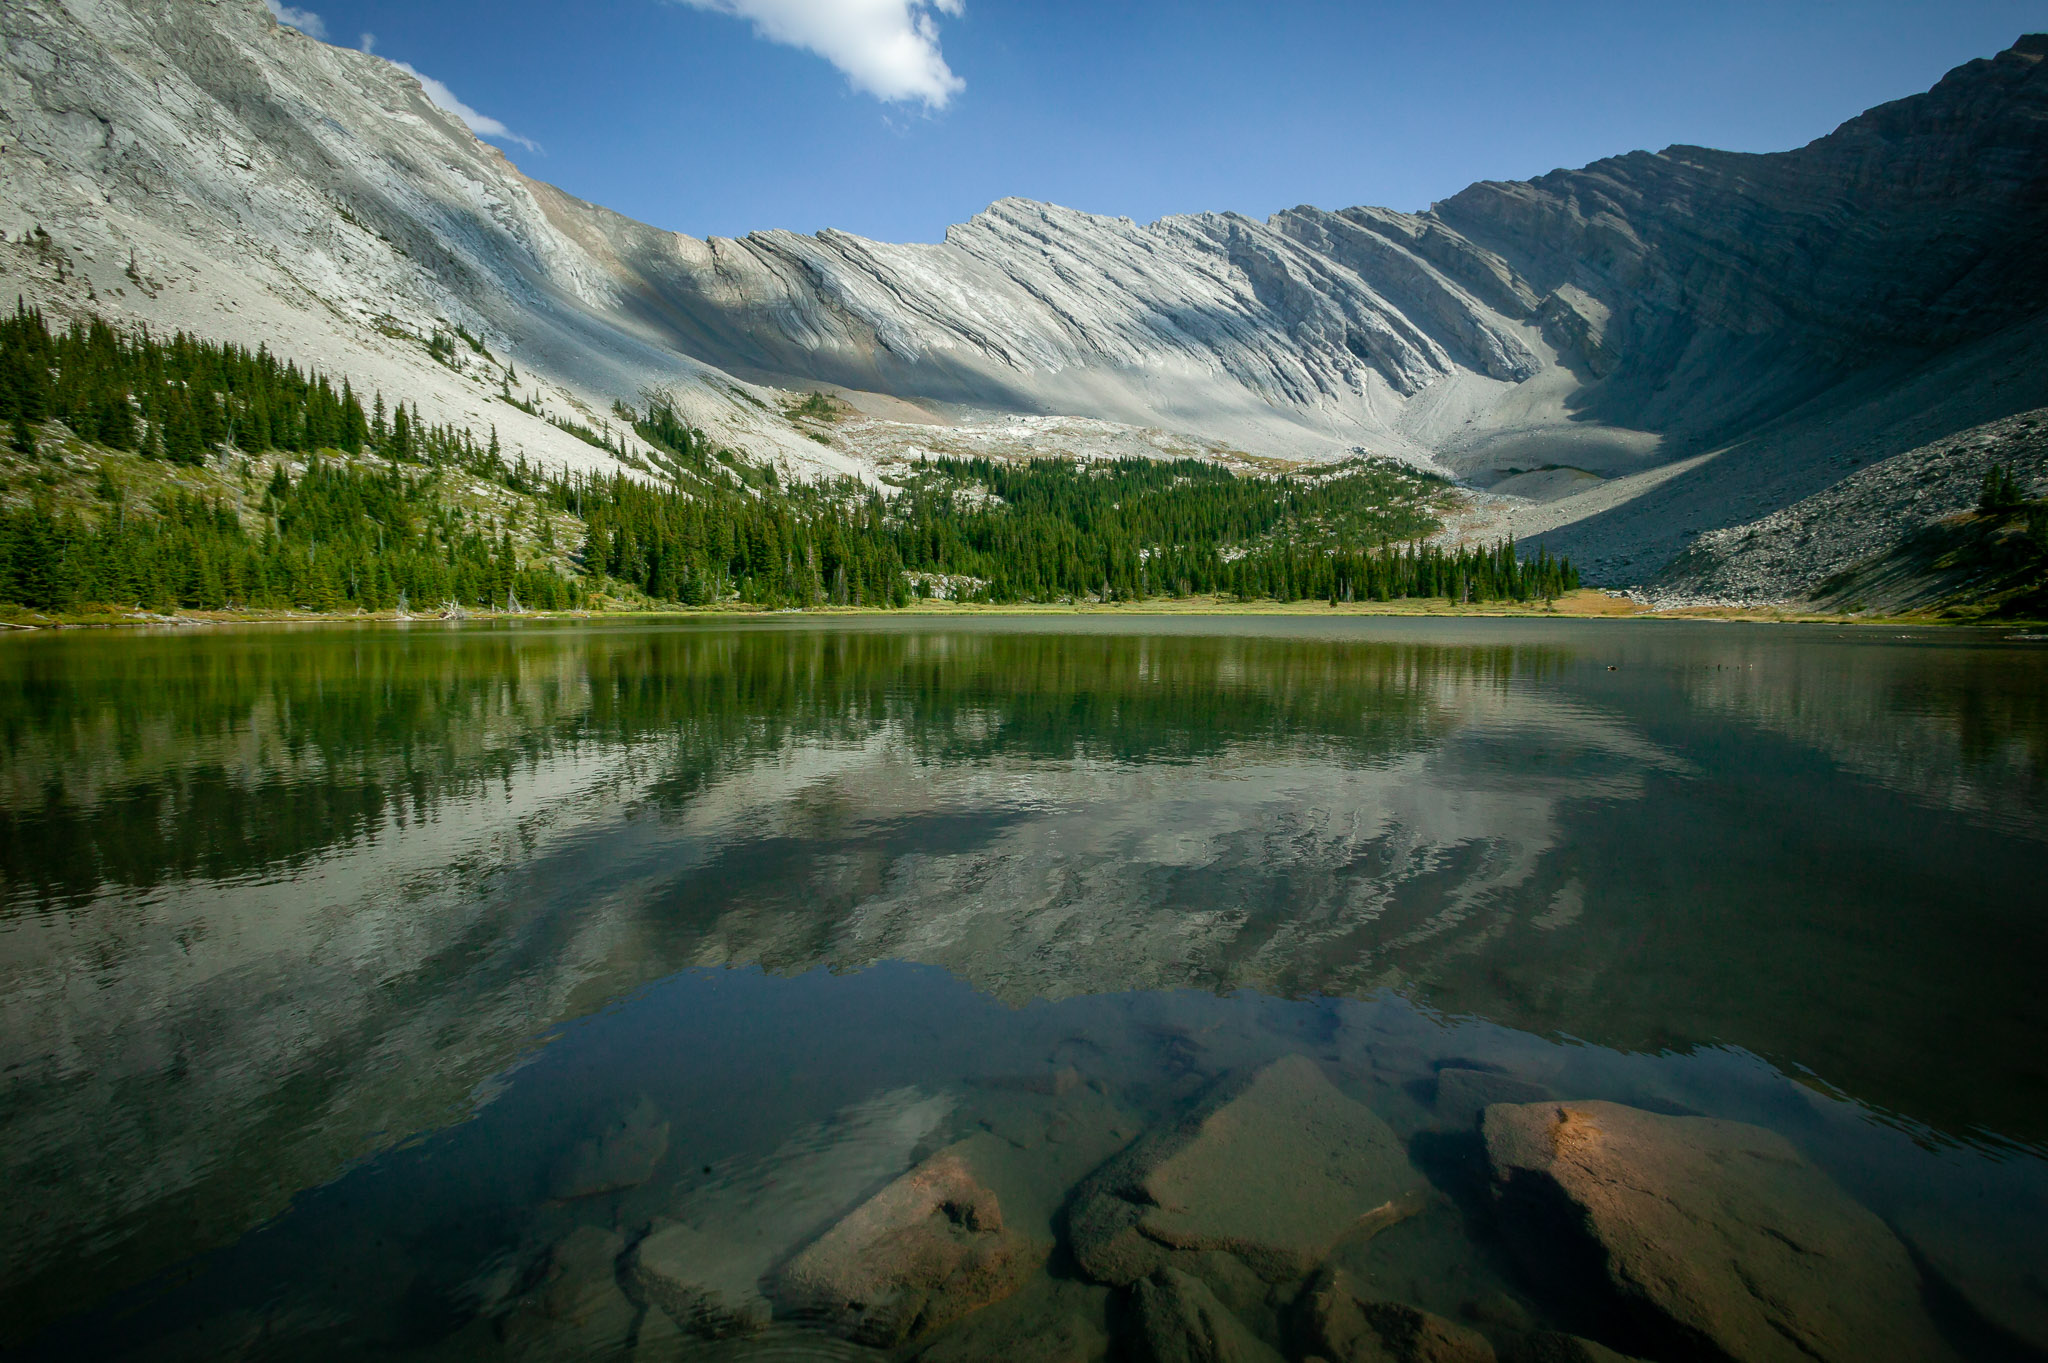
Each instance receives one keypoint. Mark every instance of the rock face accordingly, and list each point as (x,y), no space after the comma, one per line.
(1273,1170)
(1611,319)
(1710,1239)
(924,1251)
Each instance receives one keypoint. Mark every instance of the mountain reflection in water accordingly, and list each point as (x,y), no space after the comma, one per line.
(271,903)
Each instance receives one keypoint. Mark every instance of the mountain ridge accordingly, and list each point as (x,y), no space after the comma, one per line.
(1748,310)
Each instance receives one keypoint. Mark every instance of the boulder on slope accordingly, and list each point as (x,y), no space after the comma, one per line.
(1711,1240)
(1052,1320)
(1274,1170)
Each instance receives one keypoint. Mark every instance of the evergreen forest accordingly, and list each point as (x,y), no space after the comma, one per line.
(167,473)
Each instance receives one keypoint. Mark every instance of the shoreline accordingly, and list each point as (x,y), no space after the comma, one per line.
(1585,604)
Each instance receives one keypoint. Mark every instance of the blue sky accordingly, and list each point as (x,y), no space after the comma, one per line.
(894,118)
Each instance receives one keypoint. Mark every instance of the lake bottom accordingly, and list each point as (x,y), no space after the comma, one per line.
(731,1164)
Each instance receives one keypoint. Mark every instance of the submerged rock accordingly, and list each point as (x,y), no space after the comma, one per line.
(1180,1321)
(1052,1320)
(707,1269)
(1715,1239)
(1552,1347)
(1031,1152)
(623,1155)
(926,1250)
(1462,1095)
(1972,1252)
(1344,1325)
(1274,1170)
(707,1282)
(578,1308)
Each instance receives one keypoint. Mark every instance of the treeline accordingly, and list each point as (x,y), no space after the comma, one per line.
(1046,530)
(172,399)
(344,533)
(2016,563)
(335,537)
(794,549)
(1129,529)
(1494,574)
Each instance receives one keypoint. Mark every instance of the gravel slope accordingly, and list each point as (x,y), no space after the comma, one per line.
(1788,555)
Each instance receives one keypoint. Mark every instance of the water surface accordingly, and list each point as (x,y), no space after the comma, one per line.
(322,948)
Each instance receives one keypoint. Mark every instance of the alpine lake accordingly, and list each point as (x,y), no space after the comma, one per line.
(1030,988)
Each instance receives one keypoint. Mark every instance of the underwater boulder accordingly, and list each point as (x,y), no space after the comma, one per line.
(926,1250)
(1344,1324)
(1274,1169)
(623,1155)
(1708,1239)
(1180,1321)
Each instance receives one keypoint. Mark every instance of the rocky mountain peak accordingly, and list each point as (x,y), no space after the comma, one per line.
(1617,319)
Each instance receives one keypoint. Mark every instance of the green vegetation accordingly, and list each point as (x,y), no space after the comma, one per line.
(2001,491)
(1128,529)
(180,473)
(2009,552)
(815,407)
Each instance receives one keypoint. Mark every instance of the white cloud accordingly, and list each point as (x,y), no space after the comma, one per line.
(482,124)
(888,48)
(304,20)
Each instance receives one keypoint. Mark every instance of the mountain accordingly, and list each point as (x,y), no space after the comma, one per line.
(1622,356)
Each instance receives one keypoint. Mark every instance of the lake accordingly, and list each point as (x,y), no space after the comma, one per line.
(1023,988)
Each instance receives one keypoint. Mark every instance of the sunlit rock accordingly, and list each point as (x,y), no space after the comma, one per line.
(708,1268)
(927,1249)
(1709,1238)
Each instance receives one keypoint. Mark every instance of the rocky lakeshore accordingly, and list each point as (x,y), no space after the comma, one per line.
(1276,1215)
